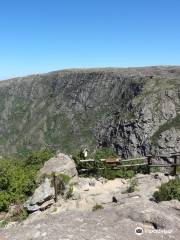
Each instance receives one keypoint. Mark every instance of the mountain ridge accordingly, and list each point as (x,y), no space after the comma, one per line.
(79,107)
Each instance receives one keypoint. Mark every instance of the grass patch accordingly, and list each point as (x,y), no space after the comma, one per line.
(97,207)
(132,186)
(168,191)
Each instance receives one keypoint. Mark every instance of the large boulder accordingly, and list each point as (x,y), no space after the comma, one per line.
(43,196)
(61,164)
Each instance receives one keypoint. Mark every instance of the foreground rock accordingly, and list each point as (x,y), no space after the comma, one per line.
(74,218)
(116,222)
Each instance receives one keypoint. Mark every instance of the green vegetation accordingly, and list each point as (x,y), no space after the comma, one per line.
(132,186)
(3,223)
(18,178)
(69,192)
(97,207)
(175,122)
(103,153)
(37,159)
(111,174)
(168,191)
(100,169)
(62,180)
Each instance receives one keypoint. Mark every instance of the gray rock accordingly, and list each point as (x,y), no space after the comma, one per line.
(117,222)
(60,164)
(43,193)
(169,141)
(42,197)
(32,208)
(46,204)
(103,198)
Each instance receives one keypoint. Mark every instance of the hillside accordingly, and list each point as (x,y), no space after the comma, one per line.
(133,110)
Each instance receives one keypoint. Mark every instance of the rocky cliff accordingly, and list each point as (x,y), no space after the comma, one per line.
(134,110)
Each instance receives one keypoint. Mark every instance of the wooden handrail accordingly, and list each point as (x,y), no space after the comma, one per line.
(132,165)
(133,159)
(148,158)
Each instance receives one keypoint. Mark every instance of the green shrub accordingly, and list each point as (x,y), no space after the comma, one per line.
(20,183)
(132,187)
(168,191)
(3,223)
(4,201)
(69,193)
(103,153)
(18,178)
(62,180)
(37,159)
(97,207)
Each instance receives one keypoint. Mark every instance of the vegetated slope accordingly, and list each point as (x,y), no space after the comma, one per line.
(120,108)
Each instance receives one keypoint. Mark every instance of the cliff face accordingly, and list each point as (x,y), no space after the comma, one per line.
(154,123)
(132,110)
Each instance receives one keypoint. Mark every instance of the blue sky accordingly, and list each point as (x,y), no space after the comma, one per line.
(45,35)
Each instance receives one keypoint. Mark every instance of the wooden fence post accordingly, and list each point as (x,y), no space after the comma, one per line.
(55,187)
(149,163)
(174,167)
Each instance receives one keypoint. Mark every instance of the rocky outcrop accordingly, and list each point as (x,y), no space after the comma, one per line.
(60,164)
(168,141)
(43,196)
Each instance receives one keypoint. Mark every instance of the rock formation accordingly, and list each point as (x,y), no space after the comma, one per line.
(60,164)
(44,195)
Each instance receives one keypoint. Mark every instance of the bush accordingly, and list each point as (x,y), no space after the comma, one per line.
(132,187)
(62,180)
(4,201)
(20,183)
(103,153)
(18,178)
(97,207)
(3,223)
(168,191)
(69,192)
(37,159)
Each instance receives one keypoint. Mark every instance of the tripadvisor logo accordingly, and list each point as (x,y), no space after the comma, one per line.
(139,231)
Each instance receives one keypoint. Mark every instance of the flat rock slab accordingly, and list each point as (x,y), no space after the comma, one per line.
(107,224)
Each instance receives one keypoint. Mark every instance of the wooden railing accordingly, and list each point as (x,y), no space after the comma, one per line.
(146,161)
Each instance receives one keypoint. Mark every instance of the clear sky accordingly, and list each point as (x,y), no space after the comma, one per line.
(44,35)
